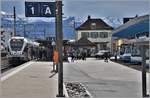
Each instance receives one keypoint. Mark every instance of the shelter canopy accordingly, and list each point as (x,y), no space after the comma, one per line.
(132,27)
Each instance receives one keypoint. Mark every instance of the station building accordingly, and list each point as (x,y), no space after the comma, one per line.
(97,32)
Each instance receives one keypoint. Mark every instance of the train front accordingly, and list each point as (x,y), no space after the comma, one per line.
(16,45)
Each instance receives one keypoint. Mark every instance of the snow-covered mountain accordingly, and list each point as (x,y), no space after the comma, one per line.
(40,28)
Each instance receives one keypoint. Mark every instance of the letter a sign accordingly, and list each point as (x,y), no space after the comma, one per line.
(48,11)
(40,9)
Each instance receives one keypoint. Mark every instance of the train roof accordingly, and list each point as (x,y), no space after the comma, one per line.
(26,40)
(17,37)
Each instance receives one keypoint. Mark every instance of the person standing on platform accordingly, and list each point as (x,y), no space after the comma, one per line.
(55,61)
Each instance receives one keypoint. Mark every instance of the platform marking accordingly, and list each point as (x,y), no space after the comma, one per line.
(15,71)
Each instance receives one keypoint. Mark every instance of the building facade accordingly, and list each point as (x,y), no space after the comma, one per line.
(96,31)
(5,35)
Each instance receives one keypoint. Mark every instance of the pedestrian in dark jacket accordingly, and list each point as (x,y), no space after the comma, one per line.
(115,56)
(106,56)
(72,57)
(83,55)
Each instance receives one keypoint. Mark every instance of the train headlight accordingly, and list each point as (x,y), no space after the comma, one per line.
(20,53)
(14,53)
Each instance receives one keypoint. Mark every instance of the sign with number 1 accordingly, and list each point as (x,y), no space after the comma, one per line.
(40,9)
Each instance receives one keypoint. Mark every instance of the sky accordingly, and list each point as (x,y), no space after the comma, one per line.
(82,8)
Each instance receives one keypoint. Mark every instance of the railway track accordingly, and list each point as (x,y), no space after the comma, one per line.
(5,65)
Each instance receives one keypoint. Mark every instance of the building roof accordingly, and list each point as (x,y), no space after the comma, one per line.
(94,24)
(84,42)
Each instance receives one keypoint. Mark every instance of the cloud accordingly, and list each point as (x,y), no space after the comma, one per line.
(83,8)
(104,8)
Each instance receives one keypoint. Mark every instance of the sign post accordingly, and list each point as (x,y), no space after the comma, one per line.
(143,54)
(59,42)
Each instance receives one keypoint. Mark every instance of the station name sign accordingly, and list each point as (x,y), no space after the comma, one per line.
(40,9)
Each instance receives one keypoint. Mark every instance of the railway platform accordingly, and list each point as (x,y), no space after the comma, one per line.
(30,80)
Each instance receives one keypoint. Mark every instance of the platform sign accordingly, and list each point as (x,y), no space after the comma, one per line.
(32,9)
(40,9)
(48,9)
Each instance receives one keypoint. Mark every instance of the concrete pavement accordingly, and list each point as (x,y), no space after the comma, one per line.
(32,81)
(102,80)
(105,80)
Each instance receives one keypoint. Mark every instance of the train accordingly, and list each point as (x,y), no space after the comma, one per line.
(125,52)
(132,52)
(136,50)
(21,50)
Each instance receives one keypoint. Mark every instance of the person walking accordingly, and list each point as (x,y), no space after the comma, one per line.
(106,56)
(72,57)
(116,56)
(83,55)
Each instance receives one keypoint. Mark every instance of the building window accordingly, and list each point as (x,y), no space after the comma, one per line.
(93,25)
(103,46)
(94,34)
(103,34)
(85,34)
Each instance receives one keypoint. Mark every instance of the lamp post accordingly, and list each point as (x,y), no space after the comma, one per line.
(14,27)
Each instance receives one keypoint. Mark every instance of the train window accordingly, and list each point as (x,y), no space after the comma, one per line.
(26,48)
(136,50)
(147,53)
(16,44)
(124,48)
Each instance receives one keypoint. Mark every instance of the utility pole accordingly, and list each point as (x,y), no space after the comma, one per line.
(74,28)
(24,29)
(14,10)
(59,43)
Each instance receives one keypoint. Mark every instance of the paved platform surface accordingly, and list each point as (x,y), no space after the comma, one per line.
(32,80)
(102,80)
(105,80)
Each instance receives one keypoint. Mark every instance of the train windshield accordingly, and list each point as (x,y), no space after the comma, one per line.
(136,50)
(16,44)
(125,49)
